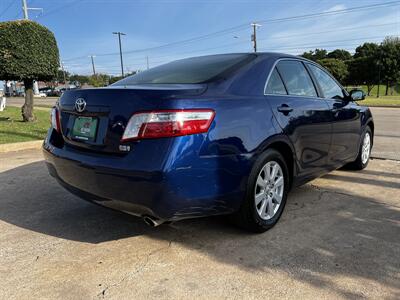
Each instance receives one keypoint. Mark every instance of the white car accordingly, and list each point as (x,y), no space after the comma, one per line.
(41,95)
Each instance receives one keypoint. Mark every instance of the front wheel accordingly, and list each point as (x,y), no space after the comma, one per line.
(266,194)
(364,151)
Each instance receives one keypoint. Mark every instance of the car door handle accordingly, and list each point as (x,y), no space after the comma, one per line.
(285,109)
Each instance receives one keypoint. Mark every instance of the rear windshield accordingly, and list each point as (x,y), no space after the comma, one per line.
(189,70)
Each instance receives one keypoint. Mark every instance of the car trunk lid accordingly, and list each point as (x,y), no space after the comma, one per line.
(95,119)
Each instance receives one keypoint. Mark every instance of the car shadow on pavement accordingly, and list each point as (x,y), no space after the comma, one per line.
(323,233)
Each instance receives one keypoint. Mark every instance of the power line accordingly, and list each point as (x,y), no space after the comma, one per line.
(8,7)
(329,31)
(326,46)
(52,11)
(243,26)
(230,45)
(330,13)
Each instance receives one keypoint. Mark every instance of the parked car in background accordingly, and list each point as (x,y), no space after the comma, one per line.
(221,134)
(41,95)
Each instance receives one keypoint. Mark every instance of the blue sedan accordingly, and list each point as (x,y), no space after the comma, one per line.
(220,134)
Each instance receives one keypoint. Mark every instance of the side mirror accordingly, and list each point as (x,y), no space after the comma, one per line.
(357,95)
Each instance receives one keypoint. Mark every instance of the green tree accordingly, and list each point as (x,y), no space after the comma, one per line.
(99,80)
(28,52)
(79,79)
(389,58)
(315,55)
(114,79)
(364,68)
(340,54)
(336,67)
(367,50)
(60,76)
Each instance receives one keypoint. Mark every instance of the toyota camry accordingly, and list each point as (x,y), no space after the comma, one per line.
(220,134)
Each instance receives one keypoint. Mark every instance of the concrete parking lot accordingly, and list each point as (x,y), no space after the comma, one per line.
(338,238)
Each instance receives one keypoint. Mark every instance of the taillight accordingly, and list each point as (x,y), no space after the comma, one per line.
(55,119)
(168,123)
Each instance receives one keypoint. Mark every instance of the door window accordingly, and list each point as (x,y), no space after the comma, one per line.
(275,84)
(329,87)
(296,78)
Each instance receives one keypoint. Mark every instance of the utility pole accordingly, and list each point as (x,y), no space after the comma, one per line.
(94,70)
(147,62)
(120,50)
(65,77)
(25,8)
(254,35)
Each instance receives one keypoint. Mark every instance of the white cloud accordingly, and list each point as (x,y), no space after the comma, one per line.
(336,8)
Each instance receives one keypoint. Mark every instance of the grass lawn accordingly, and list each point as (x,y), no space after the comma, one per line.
(381,101)
(13,130)
(394,91)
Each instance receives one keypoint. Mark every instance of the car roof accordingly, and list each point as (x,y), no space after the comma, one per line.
(262,55)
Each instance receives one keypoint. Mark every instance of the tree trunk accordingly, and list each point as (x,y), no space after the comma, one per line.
(27,108)
(369,89)
(387,88)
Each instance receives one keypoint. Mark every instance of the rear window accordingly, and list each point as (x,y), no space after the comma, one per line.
(189,70)
(275,84)
(296,78)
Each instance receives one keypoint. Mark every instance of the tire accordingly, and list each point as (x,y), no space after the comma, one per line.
(250,215)
(362,162)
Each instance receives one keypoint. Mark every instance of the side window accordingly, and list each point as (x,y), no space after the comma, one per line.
(329,86)
(296,78)
(275,84)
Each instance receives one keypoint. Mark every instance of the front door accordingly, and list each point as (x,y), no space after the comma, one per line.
(304,117)
(346,118)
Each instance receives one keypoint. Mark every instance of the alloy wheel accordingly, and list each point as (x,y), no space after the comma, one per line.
(269,189)
(366,148)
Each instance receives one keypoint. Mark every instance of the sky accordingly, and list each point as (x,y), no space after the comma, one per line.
(84,27)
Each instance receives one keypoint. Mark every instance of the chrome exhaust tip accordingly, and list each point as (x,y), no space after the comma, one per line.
(153,222)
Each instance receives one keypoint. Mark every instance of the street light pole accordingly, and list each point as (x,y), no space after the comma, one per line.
(254,35)
(120,50)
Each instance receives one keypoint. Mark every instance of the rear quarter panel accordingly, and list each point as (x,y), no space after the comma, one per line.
(217,164)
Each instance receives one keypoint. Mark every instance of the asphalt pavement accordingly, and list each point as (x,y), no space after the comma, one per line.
(338,238)
(387,133)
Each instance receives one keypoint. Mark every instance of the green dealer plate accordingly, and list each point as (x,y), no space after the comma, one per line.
(84,128)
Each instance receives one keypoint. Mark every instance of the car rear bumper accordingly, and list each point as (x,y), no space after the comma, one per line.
(172,190)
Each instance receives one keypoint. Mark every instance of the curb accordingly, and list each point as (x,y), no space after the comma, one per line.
(383,106)
(20,146)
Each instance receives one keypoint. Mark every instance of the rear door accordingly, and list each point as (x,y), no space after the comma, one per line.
(304,117)
(346,118)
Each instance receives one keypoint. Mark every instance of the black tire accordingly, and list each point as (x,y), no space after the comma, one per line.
(358,164)
(247,217)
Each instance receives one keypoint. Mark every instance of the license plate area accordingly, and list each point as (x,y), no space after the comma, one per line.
(85,129)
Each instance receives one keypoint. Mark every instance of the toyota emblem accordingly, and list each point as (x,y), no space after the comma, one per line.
(80,105)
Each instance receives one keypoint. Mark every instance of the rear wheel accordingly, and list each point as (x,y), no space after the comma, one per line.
(364,151)
(266,193)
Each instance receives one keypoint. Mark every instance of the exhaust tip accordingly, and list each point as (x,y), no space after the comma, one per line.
(152,221)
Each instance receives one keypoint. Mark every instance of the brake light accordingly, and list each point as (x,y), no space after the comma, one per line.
(168,123)
(55,119)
